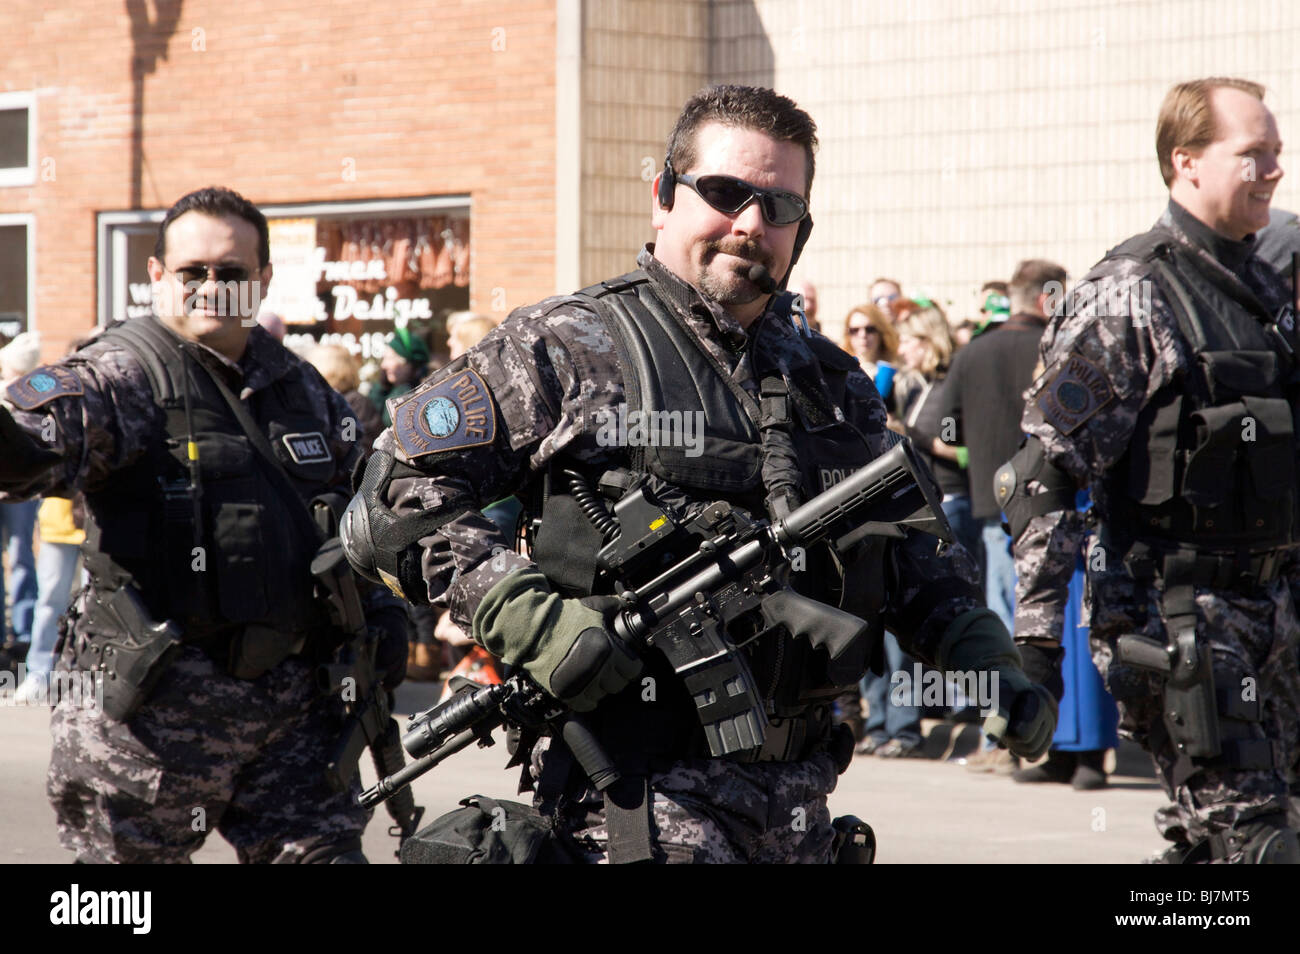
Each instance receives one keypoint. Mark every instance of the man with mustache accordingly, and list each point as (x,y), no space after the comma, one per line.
(697,329)
(1167,388)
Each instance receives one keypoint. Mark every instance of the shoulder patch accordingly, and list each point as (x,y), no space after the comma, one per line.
(1077,392)
(453,414)
(44,385)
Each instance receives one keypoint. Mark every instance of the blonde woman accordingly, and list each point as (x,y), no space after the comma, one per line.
(870,337)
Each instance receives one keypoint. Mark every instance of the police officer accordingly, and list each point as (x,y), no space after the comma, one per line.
(198,441)
(538,408)
(1167,388)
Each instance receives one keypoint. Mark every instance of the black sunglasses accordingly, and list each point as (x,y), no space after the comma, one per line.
(220,273)
(729,195)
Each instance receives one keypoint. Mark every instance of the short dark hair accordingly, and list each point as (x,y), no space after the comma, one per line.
(1033,276)
(218,202)
(747,107)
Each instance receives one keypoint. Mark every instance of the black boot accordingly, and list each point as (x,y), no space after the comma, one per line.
(1090,773)
(1059,767)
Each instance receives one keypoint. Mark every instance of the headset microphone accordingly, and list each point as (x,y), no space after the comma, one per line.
(760,276)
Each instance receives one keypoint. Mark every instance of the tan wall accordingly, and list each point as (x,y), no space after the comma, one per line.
(955,145)
(641,61)
(276,101)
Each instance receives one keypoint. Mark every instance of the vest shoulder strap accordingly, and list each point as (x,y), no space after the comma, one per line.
(1147,247)
(612,286)
(158,354)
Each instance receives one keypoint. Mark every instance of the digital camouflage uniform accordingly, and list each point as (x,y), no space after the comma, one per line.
(1130,353)
(206,750)
(554,376)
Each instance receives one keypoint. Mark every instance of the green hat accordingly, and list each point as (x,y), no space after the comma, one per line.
(996,304)
(410,347)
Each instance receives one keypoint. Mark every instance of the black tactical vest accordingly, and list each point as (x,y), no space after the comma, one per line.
(1212,462)
(795,435)
(247,558)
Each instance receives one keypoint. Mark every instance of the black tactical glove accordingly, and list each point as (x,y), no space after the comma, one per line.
(566,646)
(21,458)
(1026,711)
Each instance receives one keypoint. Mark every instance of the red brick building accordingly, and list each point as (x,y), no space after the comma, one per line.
(410,121)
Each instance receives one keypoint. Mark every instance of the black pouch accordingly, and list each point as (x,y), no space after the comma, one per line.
(258,649)
(486,832)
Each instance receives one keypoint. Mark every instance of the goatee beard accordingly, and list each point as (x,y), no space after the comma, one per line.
(731,287)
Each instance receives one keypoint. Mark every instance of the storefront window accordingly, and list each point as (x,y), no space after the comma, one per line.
(343,272)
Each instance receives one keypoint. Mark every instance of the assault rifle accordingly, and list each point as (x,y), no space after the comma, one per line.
(702,575)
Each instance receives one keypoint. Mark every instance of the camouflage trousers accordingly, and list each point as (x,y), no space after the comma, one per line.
(1254,641)
(712,811)
(205,751)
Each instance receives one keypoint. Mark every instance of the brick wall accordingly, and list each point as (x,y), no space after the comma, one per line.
(272,98)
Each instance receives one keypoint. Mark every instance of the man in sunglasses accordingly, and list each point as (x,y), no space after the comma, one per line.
(199,441)
(699,332)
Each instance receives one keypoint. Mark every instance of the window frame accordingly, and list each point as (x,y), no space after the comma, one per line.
(17,176)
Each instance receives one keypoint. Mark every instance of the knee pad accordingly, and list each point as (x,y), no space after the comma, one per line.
(1011,487)
(347,852)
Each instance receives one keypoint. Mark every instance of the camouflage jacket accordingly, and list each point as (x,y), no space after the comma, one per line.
(100,415)
(1119,322)
(552,376)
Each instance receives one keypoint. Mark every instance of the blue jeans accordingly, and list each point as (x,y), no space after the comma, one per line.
(967,530)
(999,573)
(17,524)
(886,721)
(56,572)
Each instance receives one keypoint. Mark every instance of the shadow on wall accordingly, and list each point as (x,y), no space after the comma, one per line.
(148,45)
(739,48)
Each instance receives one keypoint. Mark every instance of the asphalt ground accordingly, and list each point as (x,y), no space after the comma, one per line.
(923,810)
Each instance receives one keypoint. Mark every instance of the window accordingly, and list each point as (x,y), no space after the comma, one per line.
(17,139)
(17,285)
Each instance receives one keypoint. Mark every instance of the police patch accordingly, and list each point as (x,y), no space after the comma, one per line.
(42,386)
(1077,392)
(308,448)
(453,414)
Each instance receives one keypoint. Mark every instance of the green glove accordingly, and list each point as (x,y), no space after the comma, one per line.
(564,645)
(1026,712)
(963,457)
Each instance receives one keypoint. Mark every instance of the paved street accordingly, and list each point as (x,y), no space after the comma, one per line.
(923,810)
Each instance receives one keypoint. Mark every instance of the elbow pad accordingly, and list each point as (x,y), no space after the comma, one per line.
(1011,487)
(383,546)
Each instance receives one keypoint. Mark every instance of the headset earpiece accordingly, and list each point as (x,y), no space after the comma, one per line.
(667,186)
(801,239)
